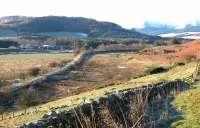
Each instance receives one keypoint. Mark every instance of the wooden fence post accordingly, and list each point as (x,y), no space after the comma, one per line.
(2,116)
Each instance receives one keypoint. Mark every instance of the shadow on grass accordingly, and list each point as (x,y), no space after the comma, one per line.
(163,113)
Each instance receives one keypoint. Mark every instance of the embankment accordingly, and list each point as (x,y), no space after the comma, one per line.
(126,108)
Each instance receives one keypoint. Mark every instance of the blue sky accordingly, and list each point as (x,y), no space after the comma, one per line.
(127,13)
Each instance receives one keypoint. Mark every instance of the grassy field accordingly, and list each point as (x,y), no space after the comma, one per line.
(100,71)
(102,74)
(104,69)
(17,66)
(188,106)
(65,103)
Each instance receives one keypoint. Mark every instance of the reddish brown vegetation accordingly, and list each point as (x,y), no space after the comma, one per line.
(175,53)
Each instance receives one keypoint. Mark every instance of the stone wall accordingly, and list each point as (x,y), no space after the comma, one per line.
(77,61)
(126,108)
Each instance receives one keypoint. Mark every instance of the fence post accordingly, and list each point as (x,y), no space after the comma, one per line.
(2,116)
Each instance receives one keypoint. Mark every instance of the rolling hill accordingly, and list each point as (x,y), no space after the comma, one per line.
(89,27)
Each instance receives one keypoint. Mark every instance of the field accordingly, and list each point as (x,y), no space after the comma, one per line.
(105,69)
(177,53)
(176,73)
(17,67)
(100,71)
(102,74)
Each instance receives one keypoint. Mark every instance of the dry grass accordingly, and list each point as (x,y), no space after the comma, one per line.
(110,67)
(68,102)
(120,67)
(176,53)
(100,71)
(17,66)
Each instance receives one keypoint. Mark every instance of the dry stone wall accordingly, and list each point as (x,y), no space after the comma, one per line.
(122,109)
(77,61)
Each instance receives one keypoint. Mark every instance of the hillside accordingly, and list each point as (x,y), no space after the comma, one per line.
(72,101)
(189,31)
(184,35)
(156,28)
(90,27)
(12,19)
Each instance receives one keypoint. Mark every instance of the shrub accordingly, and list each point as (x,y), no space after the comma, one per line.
(160,43)
(7,43)
(2,109)
(34,71)
(175,41)
(92,43)
(155,70)
(28,98)
(190,58)
(63,62)
(179,64)
(53,64)
(22,75)
(1,83)
(6,98)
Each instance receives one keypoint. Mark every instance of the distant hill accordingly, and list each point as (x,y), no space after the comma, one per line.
(156,28)
(190,28)
(190,31)
(85,26)
(12,19)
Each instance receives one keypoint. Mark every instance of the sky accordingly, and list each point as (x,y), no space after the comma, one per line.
(127,13)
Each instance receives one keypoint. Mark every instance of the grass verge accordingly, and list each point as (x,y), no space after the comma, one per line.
(188,104)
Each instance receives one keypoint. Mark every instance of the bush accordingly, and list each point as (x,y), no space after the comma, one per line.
(92,43)
(190,58)
(155,70)
(160,43)
(34,71)
(2,109)
(7,43)
(53,64)
(6,98)
(179,64)
(175,41)
(63,62)
(22,76)
(28,98)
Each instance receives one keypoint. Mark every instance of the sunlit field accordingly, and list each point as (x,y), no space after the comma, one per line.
(19,66)
(176,73)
